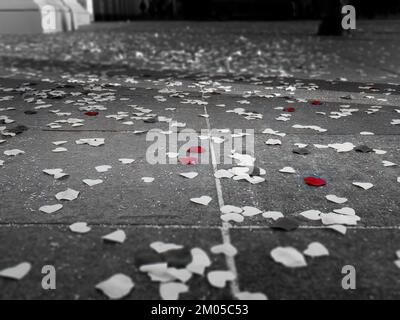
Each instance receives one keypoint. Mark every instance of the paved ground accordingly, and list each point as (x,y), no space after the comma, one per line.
(271,67)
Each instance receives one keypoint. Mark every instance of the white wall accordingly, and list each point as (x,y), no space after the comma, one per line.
(19,16)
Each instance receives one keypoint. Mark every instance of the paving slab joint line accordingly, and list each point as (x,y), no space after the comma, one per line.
(183,227)
(225,230)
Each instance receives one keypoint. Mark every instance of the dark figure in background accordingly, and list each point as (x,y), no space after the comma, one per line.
(331,24)
(143,7)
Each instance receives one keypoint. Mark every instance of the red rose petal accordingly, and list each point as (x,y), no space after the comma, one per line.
(314,181)
(197,149)
(92,113)
(316,102)
(289,110)
(188,160)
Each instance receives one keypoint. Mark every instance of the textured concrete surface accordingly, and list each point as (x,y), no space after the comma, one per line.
(137,62)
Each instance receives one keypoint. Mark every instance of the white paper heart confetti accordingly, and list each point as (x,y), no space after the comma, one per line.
(250,211)
(226,249)
(189,175)
(316,249)
(313,215)
(200,261)
(248,296)
(289,257)
(118,236)
(172,290)
(116,287)
(363,185)
(104,168)
(92,183)
(232,217)
(274,215)
(161,247)
(56,173)
(336,199)
(203,200)
(219,279)
(51,209)
(346,211)
(68,195)
(126,161)
(13,153)
(289,170)
(16,273)
(79,227)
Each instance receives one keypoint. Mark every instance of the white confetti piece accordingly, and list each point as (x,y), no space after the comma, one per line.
(289,170)
(273,132)
(316,249)
(346,211)
(250,211)
(203,200)
(126,161)
(147,179)
(68,195)
(363,185)
(56,173)
(248,296)
(182,275)
(59,143)
(51,209)
(231,209)
(275,215)
(104,168)
(116,287)
(289,257)
(338,228)
(336,199)
(388,164)
(158,272)
(222,173)
(13,152)
(226,249)
(313,215)
(171,291)
(161,247)
(91,182)
(96,142)
(59,150)
(16,273)
(219,279)
(273,142)
(367,133)
(315,128)
(342,147)
(79,227)
(189,175)
(118,236)
(200,261)
(333,218)
(228,217)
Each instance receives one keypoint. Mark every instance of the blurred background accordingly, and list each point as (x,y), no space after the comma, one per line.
(232,9)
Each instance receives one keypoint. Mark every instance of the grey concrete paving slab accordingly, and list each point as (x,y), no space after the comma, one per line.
(141,97)
(82,261)
(305,114)
(122,197)
(187,56)
(289,194)
(370,252)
